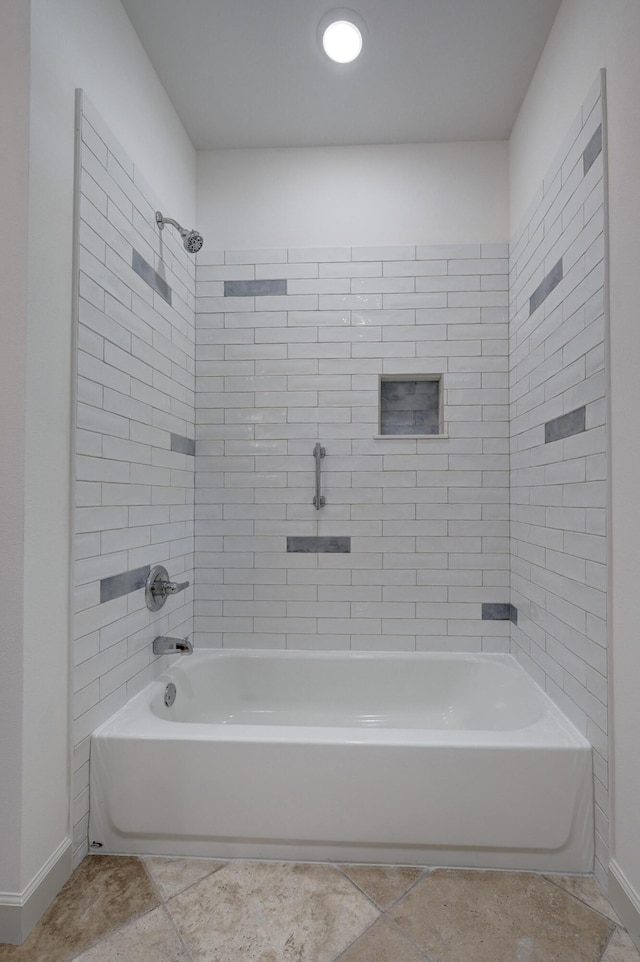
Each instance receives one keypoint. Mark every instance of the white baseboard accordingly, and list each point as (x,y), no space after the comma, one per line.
(625,900)
(20,911)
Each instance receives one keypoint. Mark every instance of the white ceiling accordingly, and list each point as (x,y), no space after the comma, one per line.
(249,73)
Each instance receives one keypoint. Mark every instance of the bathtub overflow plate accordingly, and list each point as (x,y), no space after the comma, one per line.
(170,694)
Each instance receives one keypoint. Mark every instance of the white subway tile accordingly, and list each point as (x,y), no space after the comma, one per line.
(448,251)
(349,302)
(351,269)
(256,256)
(320,254)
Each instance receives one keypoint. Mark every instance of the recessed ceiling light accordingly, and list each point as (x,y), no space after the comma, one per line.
(341,36)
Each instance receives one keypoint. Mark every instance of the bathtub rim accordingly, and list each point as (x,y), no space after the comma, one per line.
(136,717)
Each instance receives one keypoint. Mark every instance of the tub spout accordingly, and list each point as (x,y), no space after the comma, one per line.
(163,645)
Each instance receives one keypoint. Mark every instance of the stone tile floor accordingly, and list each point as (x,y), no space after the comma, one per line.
(198,910)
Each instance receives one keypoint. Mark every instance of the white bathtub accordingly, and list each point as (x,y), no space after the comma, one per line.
(398,758)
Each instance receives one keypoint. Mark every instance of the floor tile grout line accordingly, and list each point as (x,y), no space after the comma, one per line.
(408,937)
(112,932)
(339,867)
(165,907)
(616,929)
(424,873)
(357,939)
(583,902)
(165,910)
(169,913)
(608,943)
(161,905)
(134,918)
(383,916)
(175,928)
(177,858)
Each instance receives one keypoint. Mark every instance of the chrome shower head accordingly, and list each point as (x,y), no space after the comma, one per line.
(191,239)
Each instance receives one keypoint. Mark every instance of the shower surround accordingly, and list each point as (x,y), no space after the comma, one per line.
(489,538)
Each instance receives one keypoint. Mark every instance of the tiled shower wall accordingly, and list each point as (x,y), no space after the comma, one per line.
(135,419)
(558,443)
(291,345)
(411,550)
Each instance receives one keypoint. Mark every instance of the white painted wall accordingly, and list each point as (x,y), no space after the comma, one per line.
(587,35)
(332,196)
(14,145)
(74,43)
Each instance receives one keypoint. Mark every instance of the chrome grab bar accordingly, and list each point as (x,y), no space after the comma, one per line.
(319,500)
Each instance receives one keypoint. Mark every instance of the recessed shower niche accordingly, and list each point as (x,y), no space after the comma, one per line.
(411,405)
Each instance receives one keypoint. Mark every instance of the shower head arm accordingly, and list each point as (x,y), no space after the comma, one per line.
(161,221)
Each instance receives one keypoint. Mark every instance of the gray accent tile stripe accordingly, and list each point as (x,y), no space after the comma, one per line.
(122,584)
(564,426)
(592,150)
(150,276)
(543,290)
(261,288)
(308,545)
(183,445)
(492,611)
(513,614)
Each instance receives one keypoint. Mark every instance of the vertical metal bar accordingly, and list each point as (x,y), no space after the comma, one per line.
(319,500)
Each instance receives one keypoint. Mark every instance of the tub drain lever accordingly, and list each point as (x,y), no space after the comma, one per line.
(319,500)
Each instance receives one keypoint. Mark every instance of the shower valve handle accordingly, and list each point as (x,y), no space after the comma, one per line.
(158,587)
(170,587)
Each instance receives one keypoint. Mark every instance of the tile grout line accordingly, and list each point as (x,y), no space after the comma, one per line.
(383,916)
(178,858)
(583,902)
(175,928)
(109,935)
(426,871)
(167,913)
(409,938)
(609,941)
(342,952)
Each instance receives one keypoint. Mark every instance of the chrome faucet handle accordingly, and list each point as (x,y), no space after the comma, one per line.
(170,587)
(158,587)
